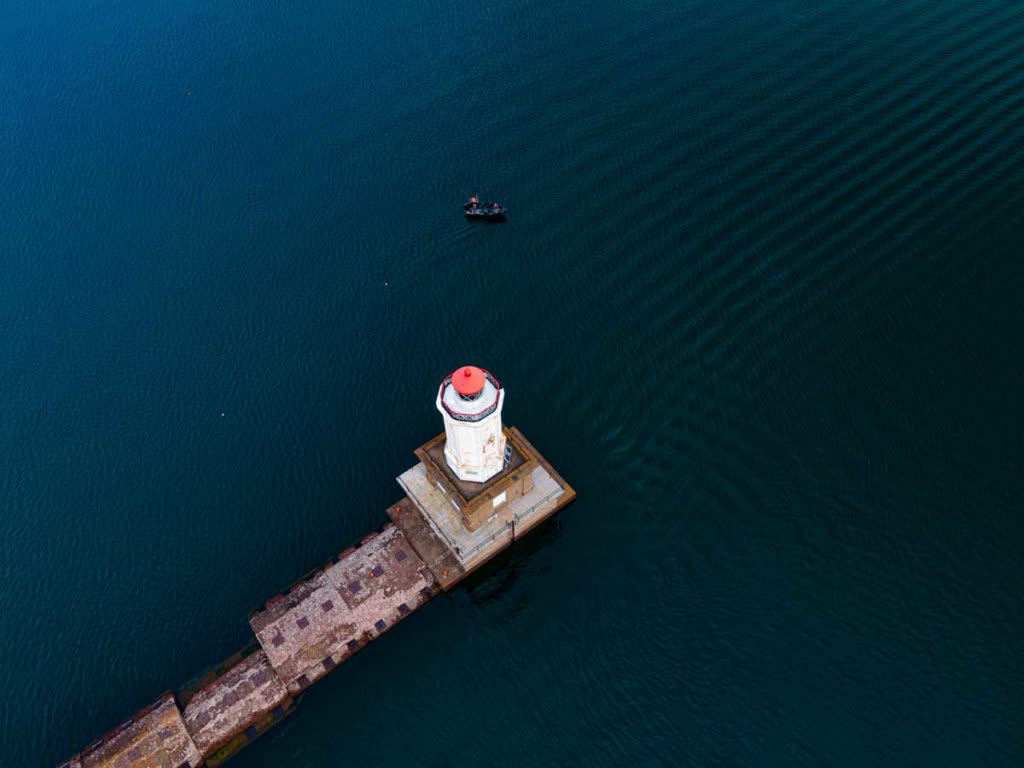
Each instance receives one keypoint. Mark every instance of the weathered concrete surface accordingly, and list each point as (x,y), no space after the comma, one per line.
(321,621)
(472,548)
(155,737)
(432,550)
(433,452)
(235,702)
(476,501)
(545,511)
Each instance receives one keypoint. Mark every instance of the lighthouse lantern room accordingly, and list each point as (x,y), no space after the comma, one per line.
(470,401)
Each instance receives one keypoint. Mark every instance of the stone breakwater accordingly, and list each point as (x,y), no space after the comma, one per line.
(306,631)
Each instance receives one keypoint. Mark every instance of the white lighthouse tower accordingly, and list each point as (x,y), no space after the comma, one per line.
(470,401)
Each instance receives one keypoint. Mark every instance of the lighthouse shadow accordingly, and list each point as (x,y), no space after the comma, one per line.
(497,576)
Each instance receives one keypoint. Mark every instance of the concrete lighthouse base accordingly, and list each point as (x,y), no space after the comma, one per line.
(468,523)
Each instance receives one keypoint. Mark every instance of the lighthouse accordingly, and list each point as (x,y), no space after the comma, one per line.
(475,489)
(470,401)
(479,484)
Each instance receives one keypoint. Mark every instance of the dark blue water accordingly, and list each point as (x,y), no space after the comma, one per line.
(759,300)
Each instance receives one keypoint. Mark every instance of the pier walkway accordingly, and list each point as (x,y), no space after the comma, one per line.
(309,629)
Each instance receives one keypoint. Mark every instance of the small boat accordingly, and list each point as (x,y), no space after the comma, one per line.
(474,210)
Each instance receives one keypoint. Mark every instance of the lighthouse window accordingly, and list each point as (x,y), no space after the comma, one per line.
(469,398)
(498,500)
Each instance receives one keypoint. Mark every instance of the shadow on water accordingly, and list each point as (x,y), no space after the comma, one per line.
(497,576)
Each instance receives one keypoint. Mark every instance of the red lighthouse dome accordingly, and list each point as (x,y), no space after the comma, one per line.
(468,381)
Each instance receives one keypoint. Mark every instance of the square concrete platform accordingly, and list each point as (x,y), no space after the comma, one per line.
(471,548)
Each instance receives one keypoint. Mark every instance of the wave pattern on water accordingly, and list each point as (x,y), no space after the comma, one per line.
(758,299)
